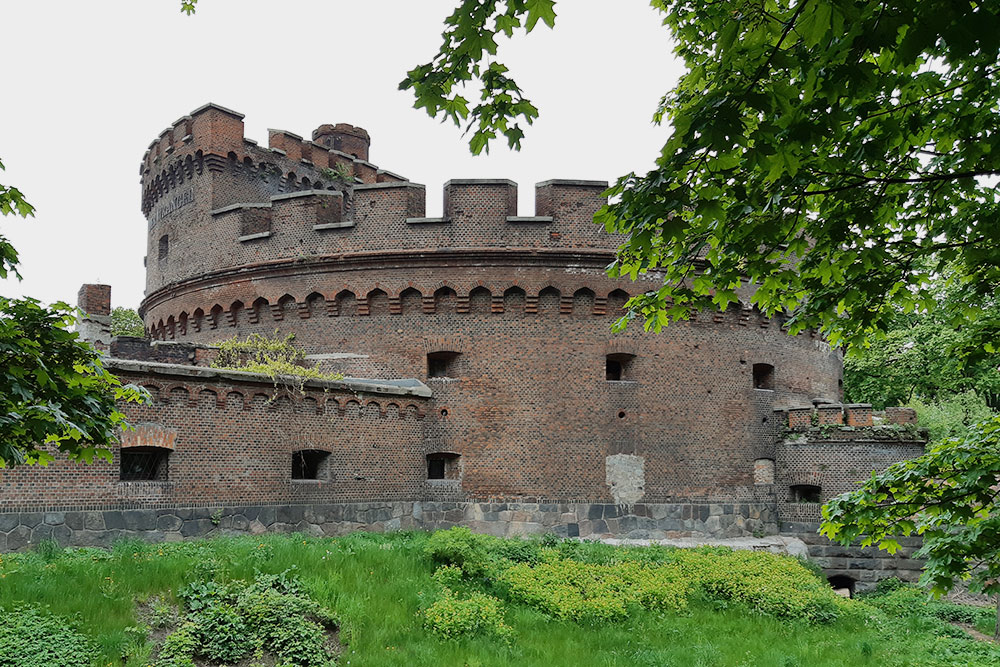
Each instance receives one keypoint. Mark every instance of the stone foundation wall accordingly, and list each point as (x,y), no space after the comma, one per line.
(866,566)
(587,520)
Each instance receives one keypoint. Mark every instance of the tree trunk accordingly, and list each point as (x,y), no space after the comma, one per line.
(996,631)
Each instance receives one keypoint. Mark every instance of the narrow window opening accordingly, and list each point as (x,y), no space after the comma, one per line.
(309,464)
(804,493)
(617,367)
(763,376)
(164,247)
(442,364)
(144,463)
(435,468)
(443,465)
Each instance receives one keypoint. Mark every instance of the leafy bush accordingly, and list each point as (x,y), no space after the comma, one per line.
(451,617)
(766,583)
(593,582)
(906,600)
(951,416)
(568,589)
(225,622)
(31,637)
(475,554)
(268,356)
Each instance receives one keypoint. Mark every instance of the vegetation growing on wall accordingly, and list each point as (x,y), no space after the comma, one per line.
(273,356)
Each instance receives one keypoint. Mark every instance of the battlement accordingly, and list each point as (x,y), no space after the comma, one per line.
(481,212)
(217,200)
(212,135)
(853,421)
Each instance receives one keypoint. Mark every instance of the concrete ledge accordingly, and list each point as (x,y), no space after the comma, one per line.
(253,237)
(400,387)
(573,183)
(530,219)
(480,181)
(334,225)
(426,221)
(308,193)
(285,132)
(402,179)
(236,207)
(213,105)
(387,184)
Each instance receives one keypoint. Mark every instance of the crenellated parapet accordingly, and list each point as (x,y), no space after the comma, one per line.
(211,140)
(215,200)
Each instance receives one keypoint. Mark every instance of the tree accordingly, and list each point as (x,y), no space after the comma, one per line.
(910,361)
(949,496)
(834,153)
(126,322)
(54,392)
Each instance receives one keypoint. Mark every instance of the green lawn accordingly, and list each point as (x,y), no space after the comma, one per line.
(377,585)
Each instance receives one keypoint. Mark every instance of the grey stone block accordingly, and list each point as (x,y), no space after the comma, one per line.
(8,522)
(74,520)
(93,521)
(196,527)
(267,515)
(62,534)
(31,519)
(19,538)
(113,520)
(139,520)
(572,530)
(55,518)
(168,523)
(290,514)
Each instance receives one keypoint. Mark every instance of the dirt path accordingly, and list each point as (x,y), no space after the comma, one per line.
(976,634)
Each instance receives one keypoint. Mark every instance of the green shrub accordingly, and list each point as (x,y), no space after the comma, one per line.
(766,583)
(568,589)
(451,617)
(475,554)
(591,582)
(31,637)
(225,622)
(906,600)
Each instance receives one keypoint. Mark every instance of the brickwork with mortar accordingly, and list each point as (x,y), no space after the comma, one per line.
(310,238)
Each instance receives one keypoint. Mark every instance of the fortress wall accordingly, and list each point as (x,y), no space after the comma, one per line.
(223,201)
(232,443)
(531,411)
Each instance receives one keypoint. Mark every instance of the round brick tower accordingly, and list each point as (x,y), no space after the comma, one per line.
(506,318)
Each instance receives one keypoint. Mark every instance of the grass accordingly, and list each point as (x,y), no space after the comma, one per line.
(377,584)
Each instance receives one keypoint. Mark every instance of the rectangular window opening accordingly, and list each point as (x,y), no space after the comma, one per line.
(143,464)
(442,364)
(309,464)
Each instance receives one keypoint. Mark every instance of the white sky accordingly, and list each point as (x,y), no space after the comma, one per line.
(89,85)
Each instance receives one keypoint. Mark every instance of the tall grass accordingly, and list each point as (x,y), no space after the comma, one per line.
(376,585)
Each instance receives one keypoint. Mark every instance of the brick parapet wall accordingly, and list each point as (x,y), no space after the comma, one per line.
(220,200)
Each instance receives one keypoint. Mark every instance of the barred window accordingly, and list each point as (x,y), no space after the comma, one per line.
(144,463)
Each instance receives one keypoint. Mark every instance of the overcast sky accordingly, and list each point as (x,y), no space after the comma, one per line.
(87,87)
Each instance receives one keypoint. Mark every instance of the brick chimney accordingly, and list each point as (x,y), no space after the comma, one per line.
(94,325)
